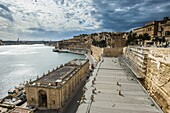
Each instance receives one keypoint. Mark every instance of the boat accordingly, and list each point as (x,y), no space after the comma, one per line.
(55,50)
(61,50)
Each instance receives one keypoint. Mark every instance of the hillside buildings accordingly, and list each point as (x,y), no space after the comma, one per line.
(52,91)
(84,41)
(159,28)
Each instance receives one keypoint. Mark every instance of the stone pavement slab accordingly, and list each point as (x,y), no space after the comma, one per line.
(114,89)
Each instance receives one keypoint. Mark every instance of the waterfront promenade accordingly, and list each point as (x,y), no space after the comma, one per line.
(113,88)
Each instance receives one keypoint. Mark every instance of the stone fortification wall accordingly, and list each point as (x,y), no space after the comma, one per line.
(153,64)
(106,52)
(96,52)
(137,59)
(112,52)
(160,52)
(157,82)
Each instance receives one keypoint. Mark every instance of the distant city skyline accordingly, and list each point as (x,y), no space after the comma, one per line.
(60,19)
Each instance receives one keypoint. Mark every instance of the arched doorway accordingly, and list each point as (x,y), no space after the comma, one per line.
(42,98)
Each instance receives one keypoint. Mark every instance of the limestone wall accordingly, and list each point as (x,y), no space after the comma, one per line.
(52,97)
(106,52)
(56,95)
(112,52)
(156,65)
(137,59)
(96,52)
(157,82)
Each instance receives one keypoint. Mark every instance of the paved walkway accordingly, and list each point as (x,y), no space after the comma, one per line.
(114,89)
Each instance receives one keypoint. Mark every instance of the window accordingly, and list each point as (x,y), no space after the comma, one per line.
(32,99)
(167,33)
(53,101)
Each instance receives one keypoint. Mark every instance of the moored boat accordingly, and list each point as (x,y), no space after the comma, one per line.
(55,50)
(61,50)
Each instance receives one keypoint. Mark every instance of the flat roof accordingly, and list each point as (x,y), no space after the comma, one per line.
(56,74)
(59,75)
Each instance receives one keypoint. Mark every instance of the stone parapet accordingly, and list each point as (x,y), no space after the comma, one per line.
(157,82)
(96,52)
(155,64)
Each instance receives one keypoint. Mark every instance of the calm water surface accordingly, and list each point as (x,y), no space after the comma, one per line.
(19,63)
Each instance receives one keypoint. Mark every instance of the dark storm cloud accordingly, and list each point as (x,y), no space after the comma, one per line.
(123,15)
(5,13)
(4,7)
(55,35)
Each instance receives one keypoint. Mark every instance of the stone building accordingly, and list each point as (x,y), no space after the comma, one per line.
(156,28)
(164,28)
(52,91)
(112,39)
(150,28)
(118,40)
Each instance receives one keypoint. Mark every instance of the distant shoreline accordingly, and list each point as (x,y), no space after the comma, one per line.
(27,42)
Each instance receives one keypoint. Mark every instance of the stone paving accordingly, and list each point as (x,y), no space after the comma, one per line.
(114,89)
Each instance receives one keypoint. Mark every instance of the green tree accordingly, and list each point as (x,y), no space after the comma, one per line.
(140,38)
(101,43)
(146,37)
(163,39)
(132,39)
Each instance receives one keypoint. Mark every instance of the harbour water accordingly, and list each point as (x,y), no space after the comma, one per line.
(19,63)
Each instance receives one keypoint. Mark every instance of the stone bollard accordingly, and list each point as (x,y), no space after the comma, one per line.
(43,74)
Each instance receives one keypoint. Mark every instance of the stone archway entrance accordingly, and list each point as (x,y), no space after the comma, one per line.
(42,98)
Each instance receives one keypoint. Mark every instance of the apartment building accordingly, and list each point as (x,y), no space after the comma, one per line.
(159,28)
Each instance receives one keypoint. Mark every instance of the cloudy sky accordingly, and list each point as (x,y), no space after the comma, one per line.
(58,19)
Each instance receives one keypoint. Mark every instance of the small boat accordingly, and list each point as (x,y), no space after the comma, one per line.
(61,50)
(11,92)
(56,50)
